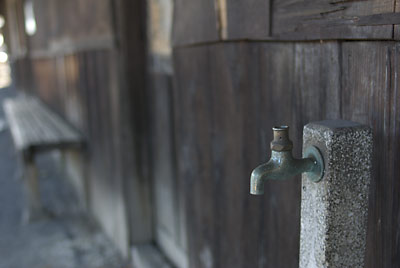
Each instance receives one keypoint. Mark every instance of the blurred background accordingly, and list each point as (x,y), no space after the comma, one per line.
(175,101)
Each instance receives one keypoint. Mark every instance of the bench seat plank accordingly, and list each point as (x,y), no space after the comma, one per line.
(33,126)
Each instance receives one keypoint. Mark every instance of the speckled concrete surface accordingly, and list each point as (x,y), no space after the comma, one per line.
(334,211)
(68,239)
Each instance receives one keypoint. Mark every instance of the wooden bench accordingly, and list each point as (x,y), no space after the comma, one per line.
(34,129)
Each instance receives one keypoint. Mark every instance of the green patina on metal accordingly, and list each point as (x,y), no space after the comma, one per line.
(283,166)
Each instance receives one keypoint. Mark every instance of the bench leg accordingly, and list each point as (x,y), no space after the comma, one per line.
(33,210)
(74,166)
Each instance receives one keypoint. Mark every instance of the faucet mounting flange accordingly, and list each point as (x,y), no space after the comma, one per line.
(319,167)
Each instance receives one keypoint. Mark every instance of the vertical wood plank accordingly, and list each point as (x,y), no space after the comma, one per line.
(279,242)
(193,150)
(168,206)
(162,162)
(316,94)
(367,97)
(44,71)
(394,155)
(194,22)
(235,104)
(132,140)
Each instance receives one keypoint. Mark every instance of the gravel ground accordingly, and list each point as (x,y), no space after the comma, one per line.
(69,239)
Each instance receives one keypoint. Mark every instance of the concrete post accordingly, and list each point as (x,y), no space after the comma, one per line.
(334,210)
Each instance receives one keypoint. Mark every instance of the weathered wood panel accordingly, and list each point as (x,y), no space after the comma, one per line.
(22,74)
(370,96)
(244,19)
(194,166)
(283,20)
(101,90)
(71,25)
(194,22)
(70,72)
(83,88)
(132,120)
(16,39)
(327,19)
(281,202)
(45,73)
(317,83)
(394,156)
(396,32)
(396,28)
(162,168)
(168,204)
(227,98)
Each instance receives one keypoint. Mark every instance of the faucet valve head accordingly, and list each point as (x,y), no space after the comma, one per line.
(281,141)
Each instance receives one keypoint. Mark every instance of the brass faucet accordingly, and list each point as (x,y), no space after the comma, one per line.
(282,165)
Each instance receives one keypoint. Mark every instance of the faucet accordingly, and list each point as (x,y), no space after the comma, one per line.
(282,165)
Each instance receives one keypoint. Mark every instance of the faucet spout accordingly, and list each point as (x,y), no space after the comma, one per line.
(259,176)
(282,165)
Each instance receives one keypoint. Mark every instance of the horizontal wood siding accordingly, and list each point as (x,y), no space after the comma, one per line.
(330,19)
(284,20)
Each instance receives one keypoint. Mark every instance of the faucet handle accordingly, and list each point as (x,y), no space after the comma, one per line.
(281,141)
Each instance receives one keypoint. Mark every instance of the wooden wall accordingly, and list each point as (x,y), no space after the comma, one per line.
(236,69)
(235,78)
(77,64)
(210,21)
(170,233)
(76,72)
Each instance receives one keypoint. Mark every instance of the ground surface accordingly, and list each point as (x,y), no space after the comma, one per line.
(68,239)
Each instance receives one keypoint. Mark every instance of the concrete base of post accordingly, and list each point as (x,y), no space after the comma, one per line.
(334,210)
